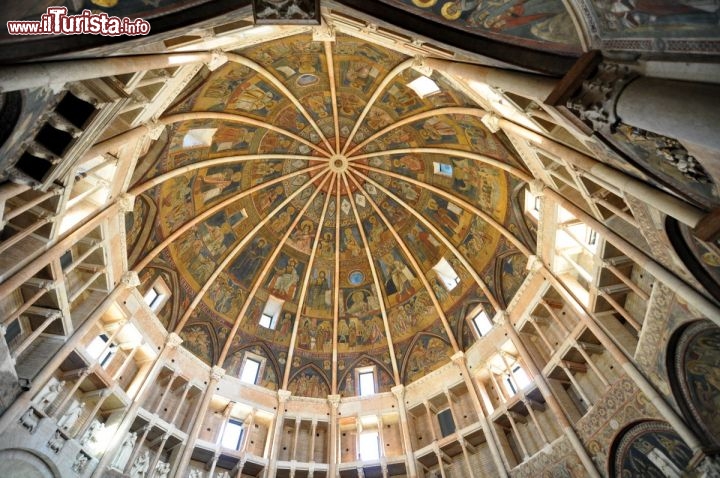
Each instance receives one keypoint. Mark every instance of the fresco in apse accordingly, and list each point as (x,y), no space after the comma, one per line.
(543,24)
(241,231)
(650,449)
(657,18)
(696,361)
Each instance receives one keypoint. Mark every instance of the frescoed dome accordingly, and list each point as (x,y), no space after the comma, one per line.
(326,216)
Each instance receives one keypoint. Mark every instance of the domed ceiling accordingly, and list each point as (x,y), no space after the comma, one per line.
(311,173)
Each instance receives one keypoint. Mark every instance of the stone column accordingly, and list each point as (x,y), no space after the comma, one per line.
(527,85)
(399,392)
(665,410)
(21,403)
(459,360)
(664,202)
(171,343)
(216,373)
(697,300)
(552,402)
(684,110)
(104,394)
(82,375)
(55,74)
(283,397)
(334,401)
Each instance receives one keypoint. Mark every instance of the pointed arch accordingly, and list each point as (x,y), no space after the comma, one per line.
(305,389)
(355,363)
(414,343)
(234,359)
(200,338)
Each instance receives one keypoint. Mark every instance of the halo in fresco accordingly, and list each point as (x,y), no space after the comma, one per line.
(256,216)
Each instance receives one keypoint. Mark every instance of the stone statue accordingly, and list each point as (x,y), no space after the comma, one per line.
(123,455)
(224,474)
(162,470)
(91,433)
(80,463)
(29,420)
(48,394)
(56,442)
(195,473)
(141,465)
(67,421)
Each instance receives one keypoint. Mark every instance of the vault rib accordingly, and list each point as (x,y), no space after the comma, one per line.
(303,291)
(478,212)
(236,118)
(234,57)
(416,117)
(517,172)
(376,281)
(380,88)
(414,264)
(266,268)
(214,209)
(333,92)
(336,291)
(141,188)
(231,255)
(481,283)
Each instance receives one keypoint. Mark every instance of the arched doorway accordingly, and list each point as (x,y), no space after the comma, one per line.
(24,464)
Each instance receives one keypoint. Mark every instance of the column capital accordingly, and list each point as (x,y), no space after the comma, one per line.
(534,264)
(126,202)
(491,122)
(334,401)
(130,279)
(399,392)
(421,66)
(283,395)
(537,187)
(173,340)
(216,373)
(324,32)
(458,357)
(595,104)
(217,59)
(155,129)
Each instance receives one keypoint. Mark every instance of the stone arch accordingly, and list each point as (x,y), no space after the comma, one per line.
(700,258)
(272,372)
(10,108)
(420,342)
(360,361)
(298,386)
(692,365)
(27,464)
(648,448)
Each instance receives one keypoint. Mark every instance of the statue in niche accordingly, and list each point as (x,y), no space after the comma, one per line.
(139,469)
(162,470)
(56,442)
(80,463)
(49,394)
(224,474)
(70,417)
(195,473)
(92,432)
(123,455)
